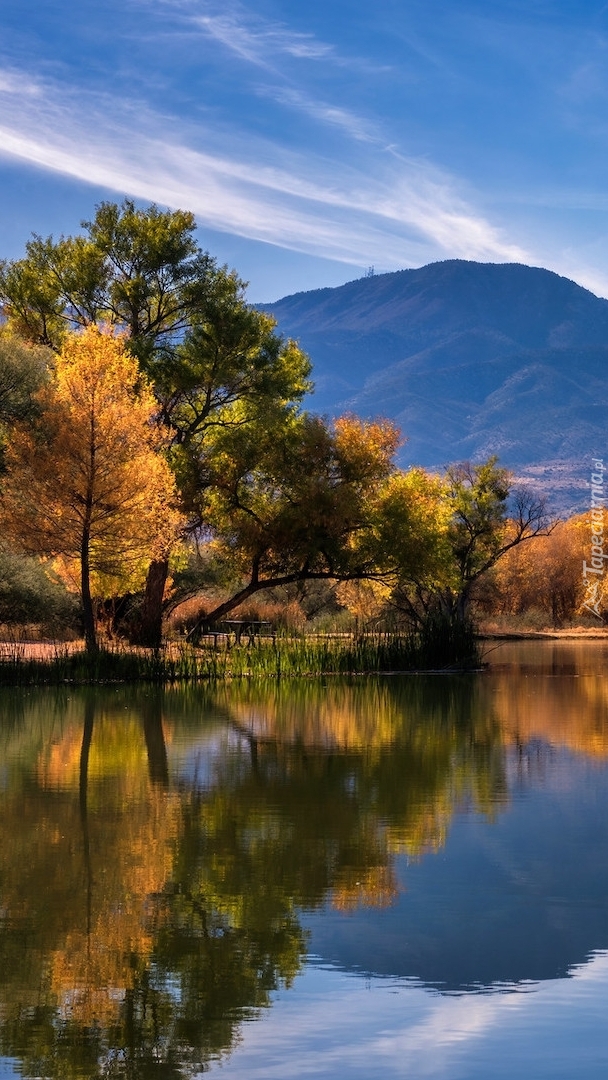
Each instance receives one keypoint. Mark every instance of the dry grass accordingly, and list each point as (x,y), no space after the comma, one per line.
(281,616)
(511,627)
(38,650)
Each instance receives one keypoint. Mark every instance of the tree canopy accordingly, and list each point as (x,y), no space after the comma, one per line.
(441,534)
(297,508)
(138,270)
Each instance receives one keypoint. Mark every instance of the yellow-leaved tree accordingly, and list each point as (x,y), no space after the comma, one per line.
(88,483)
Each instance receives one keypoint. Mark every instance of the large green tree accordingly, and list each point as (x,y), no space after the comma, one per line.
(214,362)
(136,269)
(299,507)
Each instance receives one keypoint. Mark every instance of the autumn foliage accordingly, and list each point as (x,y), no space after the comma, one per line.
(173,409)
(87,483)
(543,580)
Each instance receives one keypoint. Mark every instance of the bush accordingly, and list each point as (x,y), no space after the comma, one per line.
(31,594)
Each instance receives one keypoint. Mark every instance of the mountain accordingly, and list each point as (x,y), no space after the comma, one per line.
(469,359)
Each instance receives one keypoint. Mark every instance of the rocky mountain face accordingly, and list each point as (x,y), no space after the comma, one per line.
(470,359)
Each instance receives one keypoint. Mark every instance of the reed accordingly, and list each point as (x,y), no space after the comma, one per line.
(439,645)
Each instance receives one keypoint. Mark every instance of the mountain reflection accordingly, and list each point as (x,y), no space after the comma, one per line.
(167,855)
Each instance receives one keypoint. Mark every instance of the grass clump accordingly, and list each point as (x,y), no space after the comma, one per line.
(104,666)
(439,645)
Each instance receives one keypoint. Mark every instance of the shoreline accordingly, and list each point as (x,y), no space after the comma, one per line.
(571,634)
(50,650)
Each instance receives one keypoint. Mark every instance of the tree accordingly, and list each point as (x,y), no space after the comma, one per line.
(437,536)
(411,520)
(297,507)
(139,270)
(87,483)
(544,577)
(488,519)
(30,592)
(23,371)
(213,361)
(233,381)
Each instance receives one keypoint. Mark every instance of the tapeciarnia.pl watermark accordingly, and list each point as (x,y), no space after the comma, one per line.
(593,571)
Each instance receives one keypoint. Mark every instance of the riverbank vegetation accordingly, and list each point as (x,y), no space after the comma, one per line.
(440,646)
(161,479)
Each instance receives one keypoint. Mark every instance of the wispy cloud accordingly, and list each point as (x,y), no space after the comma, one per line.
(271,47)
(260,46)
(257,44)
(399,214)
(13,82)
(247,35)
(358,128)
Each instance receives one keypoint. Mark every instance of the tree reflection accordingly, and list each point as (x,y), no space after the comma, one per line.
(145,912)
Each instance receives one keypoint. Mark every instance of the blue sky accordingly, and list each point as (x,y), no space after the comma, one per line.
(314,140)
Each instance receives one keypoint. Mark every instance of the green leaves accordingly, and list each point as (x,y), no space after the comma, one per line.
(478,497)
(137,269)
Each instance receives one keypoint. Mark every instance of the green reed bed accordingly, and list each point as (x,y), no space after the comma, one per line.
(437,647)
(433,649)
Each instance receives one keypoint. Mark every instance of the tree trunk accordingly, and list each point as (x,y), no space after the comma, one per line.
(88,614)
(87,736)
(150,629)
(154,735)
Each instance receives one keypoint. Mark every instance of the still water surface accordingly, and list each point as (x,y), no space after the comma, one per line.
(391,878)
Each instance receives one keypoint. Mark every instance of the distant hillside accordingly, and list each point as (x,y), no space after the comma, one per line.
(470,359)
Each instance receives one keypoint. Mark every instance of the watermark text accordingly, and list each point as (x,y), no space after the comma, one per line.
(594,570)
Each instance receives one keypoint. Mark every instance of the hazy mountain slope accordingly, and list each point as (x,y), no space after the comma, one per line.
(469,358)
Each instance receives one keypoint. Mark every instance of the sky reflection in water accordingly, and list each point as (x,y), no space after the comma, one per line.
(335,1025)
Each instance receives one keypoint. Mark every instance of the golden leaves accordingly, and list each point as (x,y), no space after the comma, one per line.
(91,470)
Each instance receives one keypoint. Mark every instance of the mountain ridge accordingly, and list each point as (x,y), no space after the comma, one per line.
(469,359)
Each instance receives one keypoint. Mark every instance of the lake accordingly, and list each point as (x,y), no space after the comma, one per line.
(392,877)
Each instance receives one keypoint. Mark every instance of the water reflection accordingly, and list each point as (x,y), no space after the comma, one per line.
(169,857)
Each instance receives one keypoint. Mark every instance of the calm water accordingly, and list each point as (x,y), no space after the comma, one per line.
(405,877)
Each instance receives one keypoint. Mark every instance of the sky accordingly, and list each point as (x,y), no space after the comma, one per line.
(314,141)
